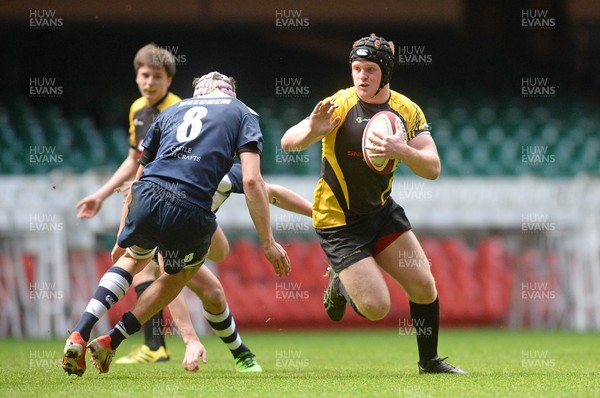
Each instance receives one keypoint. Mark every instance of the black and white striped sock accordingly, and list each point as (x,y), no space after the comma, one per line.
(223,325)
(112,287)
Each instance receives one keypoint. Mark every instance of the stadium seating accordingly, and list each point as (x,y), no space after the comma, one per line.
(477,136)
(475,285)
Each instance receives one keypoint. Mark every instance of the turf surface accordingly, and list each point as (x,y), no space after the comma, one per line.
(335,363)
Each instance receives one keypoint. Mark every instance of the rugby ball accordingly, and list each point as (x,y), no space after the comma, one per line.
(382,122)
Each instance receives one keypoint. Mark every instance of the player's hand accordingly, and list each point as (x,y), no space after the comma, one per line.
(278,257)
(320,120)
(88,206)
(126,187)
(116,253)
(389,146)
(194,350)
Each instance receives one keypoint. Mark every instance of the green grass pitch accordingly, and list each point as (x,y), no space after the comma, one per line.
(334,363)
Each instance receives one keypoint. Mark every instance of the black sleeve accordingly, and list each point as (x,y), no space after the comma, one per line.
(250,147)
(147,157)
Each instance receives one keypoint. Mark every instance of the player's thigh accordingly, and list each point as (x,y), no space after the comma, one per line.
(133,265)
(406,262)
(365,284)
(148,273)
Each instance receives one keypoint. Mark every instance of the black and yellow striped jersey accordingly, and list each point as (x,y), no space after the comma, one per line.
(142,115)
(347,189)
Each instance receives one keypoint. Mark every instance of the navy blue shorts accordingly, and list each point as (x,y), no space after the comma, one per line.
(158,217)
(367,237)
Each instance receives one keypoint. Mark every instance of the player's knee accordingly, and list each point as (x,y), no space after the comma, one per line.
(213,299)
(425,292)
(218,252)
(375,308)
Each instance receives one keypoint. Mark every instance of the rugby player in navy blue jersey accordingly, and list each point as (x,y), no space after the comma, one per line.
(154,70)
(187,152)
(361,229)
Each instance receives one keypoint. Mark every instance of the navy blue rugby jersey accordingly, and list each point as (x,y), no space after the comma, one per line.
(191,145)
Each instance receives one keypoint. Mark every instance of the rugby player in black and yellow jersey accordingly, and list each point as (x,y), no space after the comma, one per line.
(361,229)
(154,70)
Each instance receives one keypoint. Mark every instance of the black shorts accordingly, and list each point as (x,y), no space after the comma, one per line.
(349,244)
(157,217)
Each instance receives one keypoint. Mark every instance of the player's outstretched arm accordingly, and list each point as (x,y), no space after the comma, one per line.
(308,131)
(91,204)
(289,200)
(258,206)
(117,250)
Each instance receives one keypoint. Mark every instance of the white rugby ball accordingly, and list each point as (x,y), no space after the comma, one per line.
(382,122)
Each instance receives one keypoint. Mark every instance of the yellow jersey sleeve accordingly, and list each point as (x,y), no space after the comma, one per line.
(416,123)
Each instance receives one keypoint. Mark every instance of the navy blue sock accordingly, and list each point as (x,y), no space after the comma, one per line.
(127,326)
(85,325)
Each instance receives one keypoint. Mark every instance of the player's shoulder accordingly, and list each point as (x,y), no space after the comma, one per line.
(344,95)
(242,106)
(345,99)
(400,99)
(402,103)
(138,104)
(170,99)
